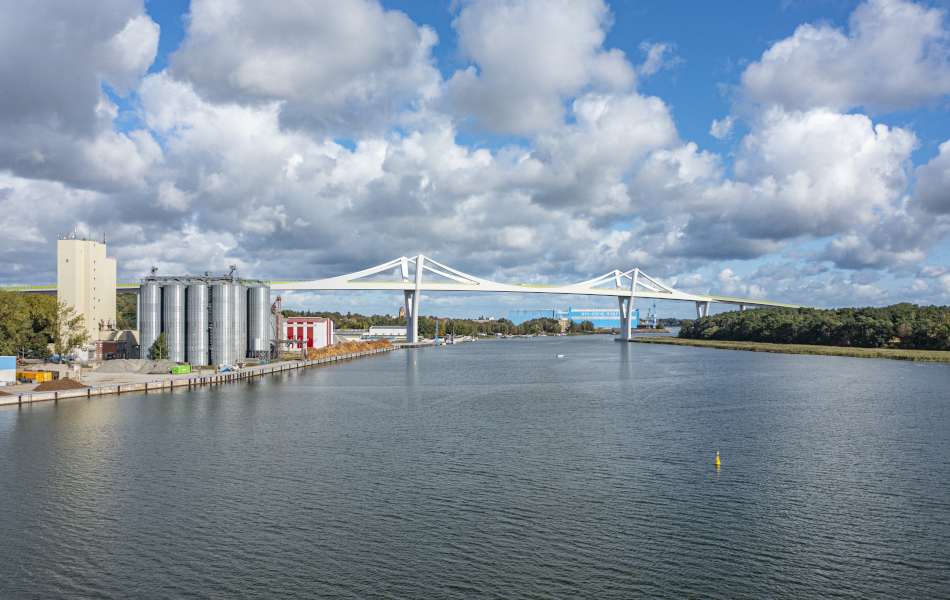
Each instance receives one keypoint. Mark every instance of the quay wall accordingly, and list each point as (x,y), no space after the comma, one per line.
(161,385)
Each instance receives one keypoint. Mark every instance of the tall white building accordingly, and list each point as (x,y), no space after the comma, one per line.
(85,280)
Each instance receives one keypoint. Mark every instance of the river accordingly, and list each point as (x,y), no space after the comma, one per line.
(492,470)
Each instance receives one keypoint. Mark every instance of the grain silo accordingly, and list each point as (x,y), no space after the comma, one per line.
(173,319)
(150,316)
(196,324)
(222,323)
(258,320)
(239,292)
(205,318)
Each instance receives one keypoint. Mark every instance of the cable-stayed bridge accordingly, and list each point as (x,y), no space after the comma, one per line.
(416,274)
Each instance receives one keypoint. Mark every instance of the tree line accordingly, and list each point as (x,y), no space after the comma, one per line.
(30,323)
(904,325)
(427,325)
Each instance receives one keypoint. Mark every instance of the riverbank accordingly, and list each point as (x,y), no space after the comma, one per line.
(131,382)
(893,354)
(617,331)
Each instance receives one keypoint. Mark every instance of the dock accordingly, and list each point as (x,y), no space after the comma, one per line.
(167,384)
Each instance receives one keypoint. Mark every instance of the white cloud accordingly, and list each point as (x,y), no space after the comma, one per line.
(55,122)
(894,56)
(530,56)
(336,63)
(659,56)
(932,192)
(172,198)
(132,52)
(932,271)
(721,129)
(820,172)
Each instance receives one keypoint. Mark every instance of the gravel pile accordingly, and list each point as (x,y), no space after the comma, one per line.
(6,394)
(136,365)
(59,385)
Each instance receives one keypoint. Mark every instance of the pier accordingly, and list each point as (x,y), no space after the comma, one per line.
(167,384)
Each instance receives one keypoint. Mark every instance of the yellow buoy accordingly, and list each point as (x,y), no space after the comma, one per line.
(717,460)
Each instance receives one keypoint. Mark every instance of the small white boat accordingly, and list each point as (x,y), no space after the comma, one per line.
(560,356)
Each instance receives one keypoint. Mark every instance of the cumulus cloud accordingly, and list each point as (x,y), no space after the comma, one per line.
(932,271)
(338,64)
(531,55)
(57,53)
(55,121)
(894,56)
(821,171)
(722,129)
(797,175)
(28,244)
(131,52)
(932,192)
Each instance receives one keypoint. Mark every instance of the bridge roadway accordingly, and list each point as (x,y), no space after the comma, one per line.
(416,274)
(413,275)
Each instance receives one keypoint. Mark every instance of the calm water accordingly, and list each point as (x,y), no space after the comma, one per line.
(493,470)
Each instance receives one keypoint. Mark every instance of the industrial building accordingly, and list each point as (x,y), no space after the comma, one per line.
(390,332)
(309,332)
(602,318)
(107,350)
(7,370)
(85,280)
(207,320)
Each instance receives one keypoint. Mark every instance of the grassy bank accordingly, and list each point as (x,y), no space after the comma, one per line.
(894,354)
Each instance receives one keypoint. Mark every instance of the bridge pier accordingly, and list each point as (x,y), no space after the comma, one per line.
(411,325)
(412,304)
(624,317)
(702,309)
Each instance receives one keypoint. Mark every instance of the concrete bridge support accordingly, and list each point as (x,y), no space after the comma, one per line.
(412,305)
(410,296)
(626,308)
(625,304)
(702,309)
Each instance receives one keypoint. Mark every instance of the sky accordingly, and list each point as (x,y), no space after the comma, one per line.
(795,151)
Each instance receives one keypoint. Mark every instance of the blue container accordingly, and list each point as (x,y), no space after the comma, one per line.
(7,362)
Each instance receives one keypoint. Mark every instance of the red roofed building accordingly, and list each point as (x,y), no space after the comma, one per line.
(316,331)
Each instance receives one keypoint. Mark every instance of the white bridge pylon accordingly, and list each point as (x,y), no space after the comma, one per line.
(420,273)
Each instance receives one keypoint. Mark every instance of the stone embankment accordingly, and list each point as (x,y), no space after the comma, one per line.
(166,384)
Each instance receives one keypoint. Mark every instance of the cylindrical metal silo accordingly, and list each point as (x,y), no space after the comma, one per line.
(196,324)
(222,323)
(258,320)
(239,292)
(173,319)
(150,319)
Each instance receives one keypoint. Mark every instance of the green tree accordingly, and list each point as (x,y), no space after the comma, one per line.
(67,329)
(25,323)
(14,322)
(942,333)
(159,349)
(125,309)
(901,325)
